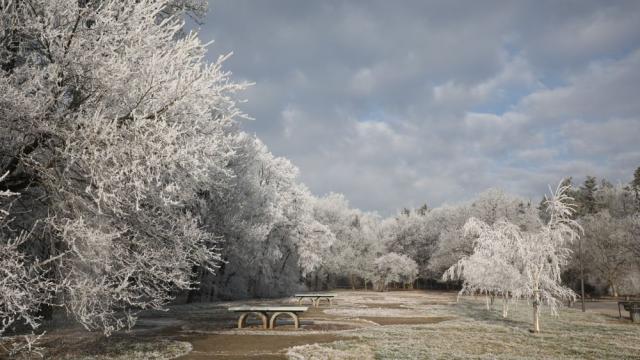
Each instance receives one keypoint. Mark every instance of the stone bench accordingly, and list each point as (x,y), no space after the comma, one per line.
(633,307)
(268,314)
(315,298)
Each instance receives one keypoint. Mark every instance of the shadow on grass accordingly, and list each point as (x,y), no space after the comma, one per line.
(469,308)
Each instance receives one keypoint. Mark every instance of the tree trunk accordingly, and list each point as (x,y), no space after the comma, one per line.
(316,285)
(536,312)
(505,306)
(352,280)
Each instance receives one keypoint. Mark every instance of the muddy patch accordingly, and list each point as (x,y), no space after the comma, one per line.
(332,326)
(387,305)
(376,312)
(229,346)
(406,320)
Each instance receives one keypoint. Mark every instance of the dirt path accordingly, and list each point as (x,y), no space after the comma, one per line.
(217,338)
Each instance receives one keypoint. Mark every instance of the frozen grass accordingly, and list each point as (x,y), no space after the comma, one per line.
(367,325)
(133,350)
(336,350)
(481,334)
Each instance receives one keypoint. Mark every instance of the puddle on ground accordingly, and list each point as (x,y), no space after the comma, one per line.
(406,320)
(243,346)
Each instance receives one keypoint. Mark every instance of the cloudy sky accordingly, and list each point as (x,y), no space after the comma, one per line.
(397,103)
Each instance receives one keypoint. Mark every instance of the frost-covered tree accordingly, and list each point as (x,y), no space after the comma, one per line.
(24,286)
(110,112)
(413,234)
(394,267)
(493,267)
(271,237)
(617,200)
(490,206)
(606,244)
(357,240)
(529,262)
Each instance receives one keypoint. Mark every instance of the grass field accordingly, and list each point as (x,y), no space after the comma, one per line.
(365,325)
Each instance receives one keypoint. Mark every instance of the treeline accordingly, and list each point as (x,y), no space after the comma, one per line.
(608,251)
(429,241)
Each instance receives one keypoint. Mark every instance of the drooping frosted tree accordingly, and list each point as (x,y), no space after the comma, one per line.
(522,264)
(489,206)
(492,268)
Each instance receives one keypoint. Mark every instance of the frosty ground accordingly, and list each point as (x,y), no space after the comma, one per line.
(365,325)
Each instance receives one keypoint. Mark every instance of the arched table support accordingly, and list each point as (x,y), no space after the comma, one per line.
(242,321)
(272,322)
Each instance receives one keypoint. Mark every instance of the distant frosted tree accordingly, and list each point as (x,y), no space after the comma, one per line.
(635,186)
(394,267)
(606,244)
(272,239)
(587,198)
(357,239)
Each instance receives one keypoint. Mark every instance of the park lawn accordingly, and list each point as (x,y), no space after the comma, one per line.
(477,333)
(363,325)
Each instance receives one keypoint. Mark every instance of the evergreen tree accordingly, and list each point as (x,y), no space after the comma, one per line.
(587,197)
(635,186)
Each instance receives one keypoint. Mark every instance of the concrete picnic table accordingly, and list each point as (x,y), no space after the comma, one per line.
(315,297)
(633,307)
(268,322)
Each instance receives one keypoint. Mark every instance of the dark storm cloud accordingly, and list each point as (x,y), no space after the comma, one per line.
(395,103)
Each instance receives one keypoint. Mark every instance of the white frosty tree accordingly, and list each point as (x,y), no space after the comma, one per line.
(109,109)
(272,239)
(489,206)
(522,264)
(606,244)
(394,267)
(357,240)
(492,269)
(24,288)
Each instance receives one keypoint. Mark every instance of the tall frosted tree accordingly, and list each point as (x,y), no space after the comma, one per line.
(114,122)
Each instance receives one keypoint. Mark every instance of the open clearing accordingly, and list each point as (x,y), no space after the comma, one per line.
(366,325)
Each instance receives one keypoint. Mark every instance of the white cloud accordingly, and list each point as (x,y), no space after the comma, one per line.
(395,104)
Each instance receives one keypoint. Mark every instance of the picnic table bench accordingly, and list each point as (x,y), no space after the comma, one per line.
(315,298)
(633,307)
(268,322)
